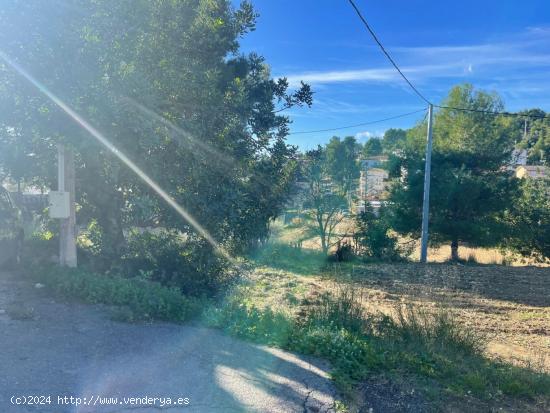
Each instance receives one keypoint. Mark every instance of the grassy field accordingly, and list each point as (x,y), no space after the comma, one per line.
(404,336)
(509,306)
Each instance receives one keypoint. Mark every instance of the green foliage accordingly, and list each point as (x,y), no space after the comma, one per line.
(326,205)
(189,264)
(340,310)
(285,257)
(393,139)
(436,332)
(372,147)
(433,348)
(166,84)
(373,233)
(470,188)
(534,134)
(528,220)
(139,299)
(247,321)
(39,248)
(340,162)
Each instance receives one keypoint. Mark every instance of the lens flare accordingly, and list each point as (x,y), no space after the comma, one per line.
(190,141)
(105,142)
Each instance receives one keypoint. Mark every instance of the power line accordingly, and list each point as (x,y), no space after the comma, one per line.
(496,113)
(371,31)
(386,52)
(358,124)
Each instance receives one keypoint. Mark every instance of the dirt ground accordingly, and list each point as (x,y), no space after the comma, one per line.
(510,306)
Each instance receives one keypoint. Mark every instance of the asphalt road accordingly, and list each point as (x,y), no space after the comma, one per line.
(61,350)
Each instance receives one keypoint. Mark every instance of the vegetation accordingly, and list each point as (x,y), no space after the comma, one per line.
(470,190)
(166,83)
(440,355)
(374,236)
(325,204)
(192,268)
(137,299)
(340,162)
(535,134)
(531,209)
(372,147)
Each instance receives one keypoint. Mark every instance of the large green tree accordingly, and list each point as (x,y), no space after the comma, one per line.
(341,162)
(393,139)
(528,220)
(164,81)
(470,187)
(372,147)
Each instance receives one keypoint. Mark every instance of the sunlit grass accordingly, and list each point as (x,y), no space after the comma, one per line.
(292,259)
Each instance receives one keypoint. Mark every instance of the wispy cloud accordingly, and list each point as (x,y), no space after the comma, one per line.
(525,50)
(375,75)
(366,135)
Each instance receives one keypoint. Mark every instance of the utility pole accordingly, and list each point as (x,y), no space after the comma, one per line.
(66,183)
(426,200)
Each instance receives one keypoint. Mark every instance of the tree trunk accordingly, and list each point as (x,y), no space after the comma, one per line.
(324,244)
(454,250)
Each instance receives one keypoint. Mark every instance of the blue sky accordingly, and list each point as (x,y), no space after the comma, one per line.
(501,46)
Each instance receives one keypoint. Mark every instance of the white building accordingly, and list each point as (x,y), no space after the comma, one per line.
(532,171)
(373,183)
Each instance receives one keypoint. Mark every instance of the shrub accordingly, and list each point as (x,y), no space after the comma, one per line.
(340,309)
(374,235)
(41,248)
(252,323)
(436,331)
(191,265)
(140,299)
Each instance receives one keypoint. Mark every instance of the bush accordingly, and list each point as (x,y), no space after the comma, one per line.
(374,236)
(252,323)
(438,331)
(191,265)
(340,309)
(138,298)
(41,248)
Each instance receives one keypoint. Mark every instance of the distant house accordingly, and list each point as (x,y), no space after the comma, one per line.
(373,162)
(375,205)
(519,157)
(377,180)
(532,171)
(373,183)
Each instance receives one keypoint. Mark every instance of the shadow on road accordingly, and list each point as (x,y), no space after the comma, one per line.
(64,350)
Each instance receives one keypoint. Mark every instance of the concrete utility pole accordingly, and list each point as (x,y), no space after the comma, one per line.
(66,183)
(426,201)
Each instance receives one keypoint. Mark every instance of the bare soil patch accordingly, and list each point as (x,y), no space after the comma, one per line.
(509,305)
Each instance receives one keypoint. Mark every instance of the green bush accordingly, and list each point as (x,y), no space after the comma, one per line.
(191,265)
(138,298)
(376,241)
(339,309)
(249,322)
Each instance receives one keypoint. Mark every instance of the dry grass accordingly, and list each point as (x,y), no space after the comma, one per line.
(510,306)
(490,256)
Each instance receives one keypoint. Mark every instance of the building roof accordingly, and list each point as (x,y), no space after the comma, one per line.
(377,171)
(532,171)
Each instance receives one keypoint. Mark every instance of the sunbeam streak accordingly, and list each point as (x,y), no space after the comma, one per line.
(105,142)
(226,160)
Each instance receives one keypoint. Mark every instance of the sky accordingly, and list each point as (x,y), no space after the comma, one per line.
(499,46)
